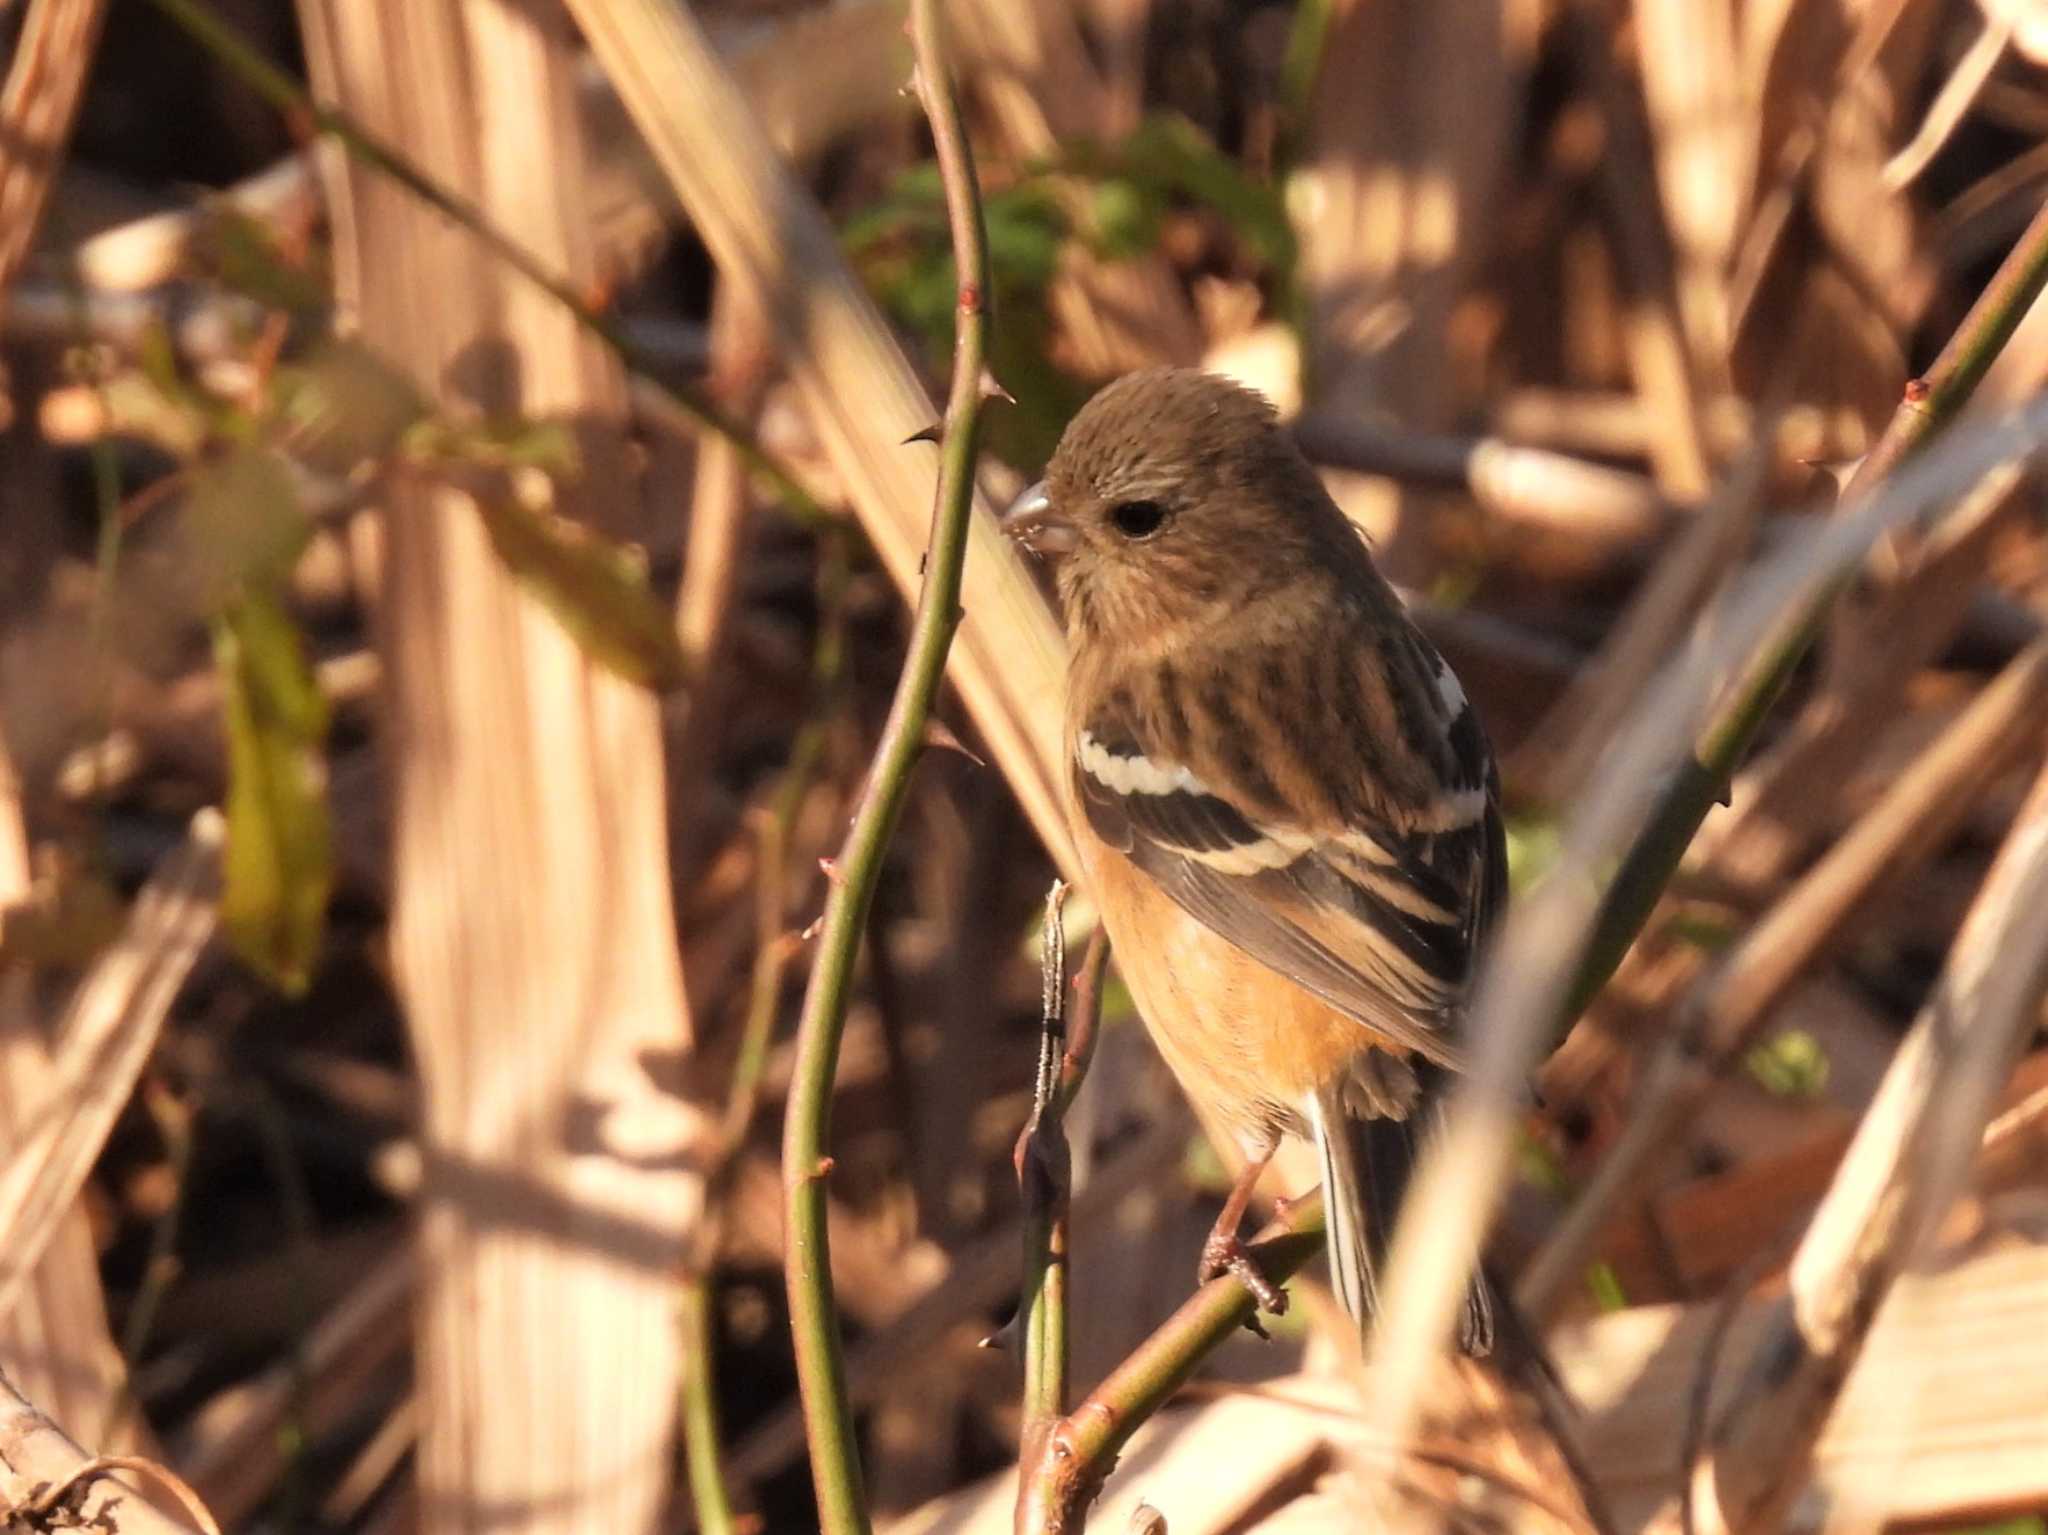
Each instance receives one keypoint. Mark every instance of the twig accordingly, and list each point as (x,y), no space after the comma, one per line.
(105,1037)
(45,81)
(1929,403)
(1618,511)
(41,1465)
(762,225)
(1910,1158)
(1563,938)
(1044,1170)
(1724,1015)
(821,1374)
(1079,1450)
(198,22)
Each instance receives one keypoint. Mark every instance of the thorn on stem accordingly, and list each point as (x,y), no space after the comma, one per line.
(829,867)
(930,434)
(1917,391)
(823,1167)
(938,733)
(812,928)
(1004,1338)
(991,388)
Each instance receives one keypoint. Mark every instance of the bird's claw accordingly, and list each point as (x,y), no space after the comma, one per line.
(1224,1253)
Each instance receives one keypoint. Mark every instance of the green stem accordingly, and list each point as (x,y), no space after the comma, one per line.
(1930,403)
(814,1322)
(230,50)
(1077,1451)
(708,1495)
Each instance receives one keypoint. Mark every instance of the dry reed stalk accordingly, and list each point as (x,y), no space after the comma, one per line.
(100,1046)
(235,1447)
(1563,935)
(1909,1160)
(1703,152)
(46,1477)
(532,933)
(863,397)
(1569,741)
(1978,1321)
(45,82)
(1903,627)
(1044,91)
(1728,1009)
(54,1339)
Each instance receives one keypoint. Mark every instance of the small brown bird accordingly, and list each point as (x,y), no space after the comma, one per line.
(1284,803)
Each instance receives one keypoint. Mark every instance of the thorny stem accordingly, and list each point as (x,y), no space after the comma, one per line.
(773,949)
(1930,403)
(814,1322)
(1075,1453)
(228,48)
(1044,1170)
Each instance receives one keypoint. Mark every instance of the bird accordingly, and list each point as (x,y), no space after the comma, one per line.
(1283,801)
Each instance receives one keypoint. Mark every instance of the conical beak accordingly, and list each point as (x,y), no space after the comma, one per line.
(1032,522)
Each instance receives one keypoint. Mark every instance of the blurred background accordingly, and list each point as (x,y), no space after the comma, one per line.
(419,739)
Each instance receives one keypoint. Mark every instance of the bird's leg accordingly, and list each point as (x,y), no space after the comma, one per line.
(1225,1252)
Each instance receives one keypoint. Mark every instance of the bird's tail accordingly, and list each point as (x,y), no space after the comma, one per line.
(1366,1167)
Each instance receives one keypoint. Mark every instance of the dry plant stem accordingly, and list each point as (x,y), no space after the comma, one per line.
(850,375)
(1702,779)
(835,1465)
(1909,1160)
(227,48)
(1538,486)
(532,932)
(37,105)
(1044,1172)
(37,1458)
(1560,935)
(1079,1450)
(104,1039)
(1726,1013)
(1929,404)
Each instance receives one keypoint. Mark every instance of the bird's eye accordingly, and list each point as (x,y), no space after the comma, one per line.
(1138,519)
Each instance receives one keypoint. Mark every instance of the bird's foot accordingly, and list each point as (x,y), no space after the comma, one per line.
(1225,1253)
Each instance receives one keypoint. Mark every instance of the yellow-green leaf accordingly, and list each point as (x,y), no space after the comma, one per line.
(280,858)
(246,255)
(243,524)
(597,589)
(345,406)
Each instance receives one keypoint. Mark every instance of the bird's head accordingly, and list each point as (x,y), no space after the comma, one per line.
(1175,498)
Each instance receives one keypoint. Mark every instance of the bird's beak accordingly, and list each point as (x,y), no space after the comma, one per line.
(1032,522)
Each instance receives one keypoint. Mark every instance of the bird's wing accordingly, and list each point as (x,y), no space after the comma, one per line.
(1375,905)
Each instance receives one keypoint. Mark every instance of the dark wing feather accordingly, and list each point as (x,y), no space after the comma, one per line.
(1381,922)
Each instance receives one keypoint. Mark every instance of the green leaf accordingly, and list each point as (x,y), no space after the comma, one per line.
(280,859)
(1790,1064)
(1606,1287)
(1534,844)
(1706,932)
(242,524)
(1541,1167)
(345,406)
(597,589)
(244,254)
